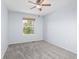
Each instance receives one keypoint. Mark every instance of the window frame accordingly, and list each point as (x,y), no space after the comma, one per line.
(33,25)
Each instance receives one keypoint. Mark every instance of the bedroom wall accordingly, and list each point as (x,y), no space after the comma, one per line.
(60,27)
(4,28)
(15,28)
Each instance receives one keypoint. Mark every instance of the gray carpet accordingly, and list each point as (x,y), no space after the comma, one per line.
(37,50)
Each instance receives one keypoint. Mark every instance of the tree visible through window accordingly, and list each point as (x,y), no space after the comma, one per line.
(28,25)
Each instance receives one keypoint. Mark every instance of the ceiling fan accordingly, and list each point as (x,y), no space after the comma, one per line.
(39,4)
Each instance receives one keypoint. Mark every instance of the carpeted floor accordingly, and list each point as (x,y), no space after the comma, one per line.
(37,50)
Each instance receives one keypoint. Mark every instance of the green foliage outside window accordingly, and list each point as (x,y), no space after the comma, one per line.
(28,27)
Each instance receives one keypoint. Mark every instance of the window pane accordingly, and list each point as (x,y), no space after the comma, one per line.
(28,27)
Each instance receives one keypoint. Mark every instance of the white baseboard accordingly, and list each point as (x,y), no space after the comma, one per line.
(23,41)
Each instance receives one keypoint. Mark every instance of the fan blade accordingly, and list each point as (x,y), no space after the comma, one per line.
(33,7)
(46,4)
(31,2)
(39,1)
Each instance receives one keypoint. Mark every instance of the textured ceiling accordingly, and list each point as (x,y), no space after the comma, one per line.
(24,6)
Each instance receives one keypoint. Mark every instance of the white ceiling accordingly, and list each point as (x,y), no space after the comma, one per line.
(24,6)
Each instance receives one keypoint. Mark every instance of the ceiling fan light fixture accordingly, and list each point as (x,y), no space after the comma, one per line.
(38,6)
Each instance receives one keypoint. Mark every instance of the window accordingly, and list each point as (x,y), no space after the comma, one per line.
(28,25)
